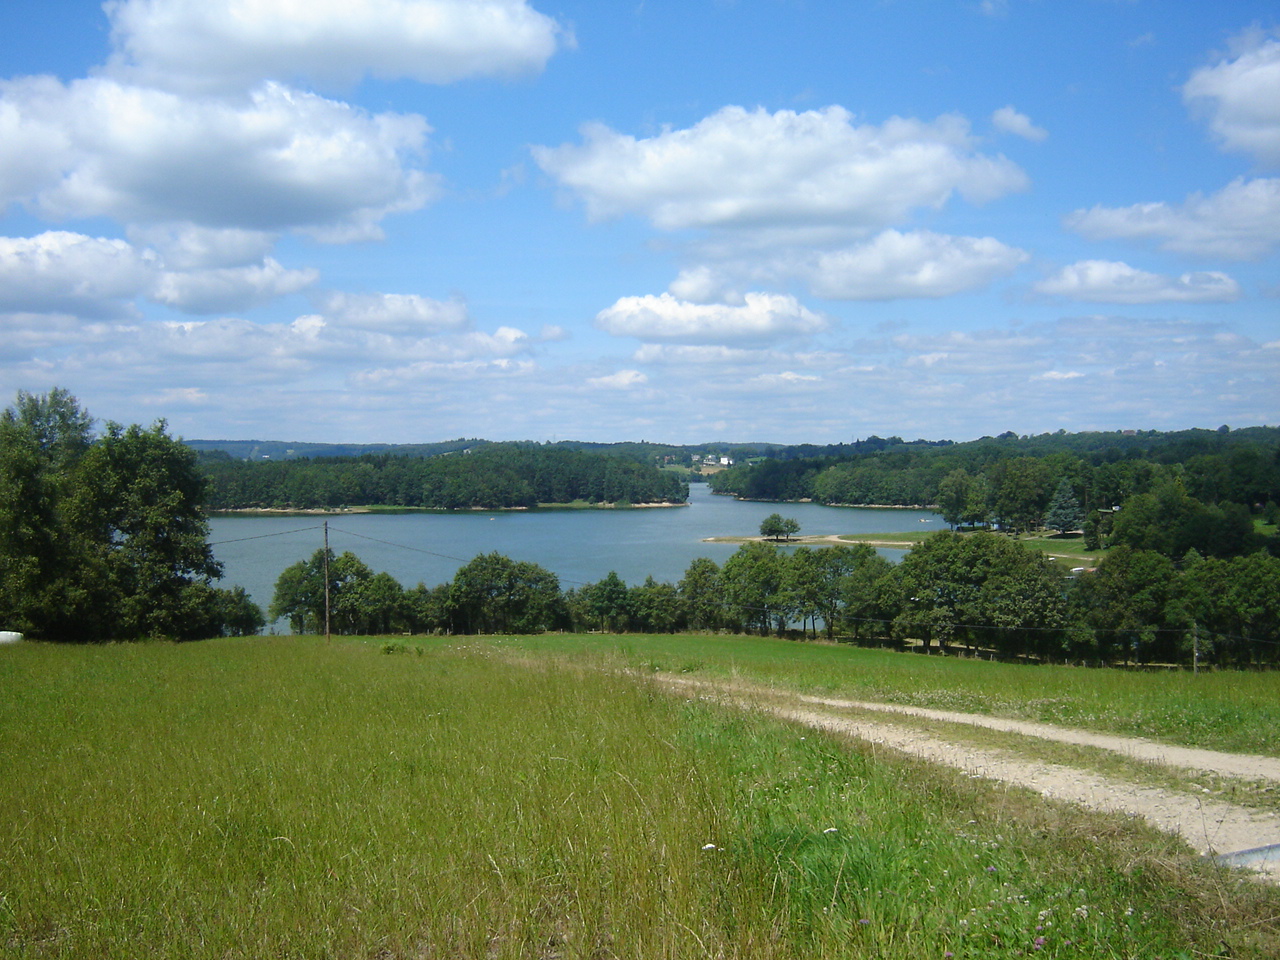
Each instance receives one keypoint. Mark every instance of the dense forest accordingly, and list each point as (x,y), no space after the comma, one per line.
(1171,492)
(485,476)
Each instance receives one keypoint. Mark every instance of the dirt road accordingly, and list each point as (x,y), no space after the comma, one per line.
(1211,826)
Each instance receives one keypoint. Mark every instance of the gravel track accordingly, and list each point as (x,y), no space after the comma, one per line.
(1212,827)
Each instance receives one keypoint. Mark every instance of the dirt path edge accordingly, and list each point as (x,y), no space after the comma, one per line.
(1214,828)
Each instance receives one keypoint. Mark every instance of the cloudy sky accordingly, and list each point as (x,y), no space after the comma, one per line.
(676,220)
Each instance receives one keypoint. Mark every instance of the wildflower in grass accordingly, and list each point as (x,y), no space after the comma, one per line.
(1038,943)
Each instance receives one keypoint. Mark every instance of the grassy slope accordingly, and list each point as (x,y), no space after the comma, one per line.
(286,797)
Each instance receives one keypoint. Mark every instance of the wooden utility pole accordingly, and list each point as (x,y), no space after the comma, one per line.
(326,581)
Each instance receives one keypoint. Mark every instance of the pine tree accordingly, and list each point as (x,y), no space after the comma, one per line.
(1064,512)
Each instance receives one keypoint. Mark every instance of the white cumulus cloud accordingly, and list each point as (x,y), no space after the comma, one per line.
(915,264)
(1019,124)
(663,317)
(1241,95)
(279,159)
(395,313)
(622,380)
(1241,221)
(58,271)
(1105,281)
(185,246)
(221,45)
(230,288)
(750,169)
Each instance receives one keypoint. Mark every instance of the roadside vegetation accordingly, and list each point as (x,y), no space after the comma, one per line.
(287,797)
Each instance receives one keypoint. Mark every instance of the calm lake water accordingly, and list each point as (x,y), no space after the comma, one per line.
(579,546)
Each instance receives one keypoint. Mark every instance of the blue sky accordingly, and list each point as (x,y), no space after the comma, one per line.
(412,220)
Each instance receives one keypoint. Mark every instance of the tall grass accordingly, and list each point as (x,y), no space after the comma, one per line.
(1225,710)
(288,798)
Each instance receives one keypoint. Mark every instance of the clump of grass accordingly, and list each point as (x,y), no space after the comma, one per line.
(285,797)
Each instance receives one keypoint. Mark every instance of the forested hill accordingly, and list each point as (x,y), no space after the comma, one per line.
(1242,466)
(490,476)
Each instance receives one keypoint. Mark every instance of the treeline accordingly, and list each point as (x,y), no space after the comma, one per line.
(983,593)
(1194,489)
(491,476)
(103,537)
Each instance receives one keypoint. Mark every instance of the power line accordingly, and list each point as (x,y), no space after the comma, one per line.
(263,536)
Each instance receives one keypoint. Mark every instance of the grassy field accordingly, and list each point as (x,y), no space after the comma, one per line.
(284,797)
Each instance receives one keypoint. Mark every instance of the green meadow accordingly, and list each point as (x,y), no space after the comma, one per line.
(287,797)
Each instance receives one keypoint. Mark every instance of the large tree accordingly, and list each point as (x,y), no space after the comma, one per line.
(141,499)
(103,539)
(495,594)
(1131,603)
(985,587)
(360,601)
(702,593)
(1064,514)
(753,586)
(777,527)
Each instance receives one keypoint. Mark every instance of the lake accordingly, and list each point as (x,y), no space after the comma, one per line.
(579,546)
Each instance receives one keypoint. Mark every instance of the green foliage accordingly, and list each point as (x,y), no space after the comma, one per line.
(1228,474)
(488,476)
(701,592)
(1171,522)
(494,594)
(1064,514)
(753,587)
(1235,605)
(104,539)
(777,527)
(360,601)
(656,607)
(983,587)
